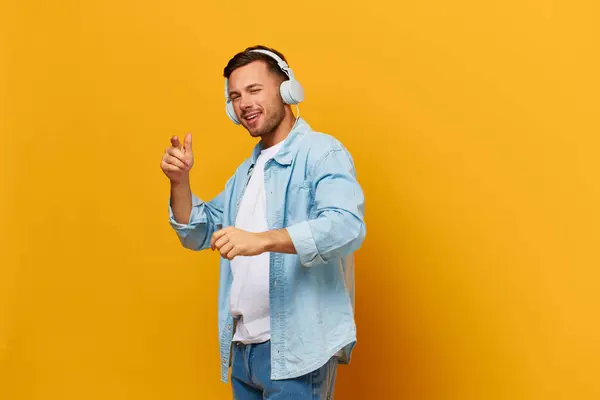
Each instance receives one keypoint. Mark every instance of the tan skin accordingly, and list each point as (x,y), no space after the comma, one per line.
(253,90)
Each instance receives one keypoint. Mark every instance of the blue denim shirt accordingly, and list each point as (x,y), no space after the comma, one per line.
(311,189)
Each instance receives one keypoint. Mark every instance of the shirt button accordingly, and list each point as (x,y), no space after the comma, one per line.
(275,283)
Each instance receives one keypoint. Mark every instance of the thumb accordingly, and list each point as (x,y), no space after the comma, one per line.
(187,143)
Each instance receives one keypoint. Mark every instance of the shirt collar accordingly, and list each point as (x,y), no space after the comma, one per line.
(286,153)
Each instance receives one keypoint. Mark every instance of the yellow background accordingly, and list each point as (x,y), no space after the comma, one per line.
(474,127)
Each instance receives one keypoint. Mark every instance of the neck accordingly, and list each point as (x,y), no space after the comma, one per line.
(281,131)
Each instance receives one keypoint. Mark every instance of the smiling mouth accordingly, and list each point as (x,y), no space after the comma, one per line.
(252,117)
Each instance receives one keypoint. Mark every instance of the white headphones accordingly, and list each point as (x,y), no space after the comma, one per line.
(291,90)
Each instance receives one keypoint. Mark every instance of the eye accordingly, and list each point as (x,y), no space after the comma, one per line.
(255,90)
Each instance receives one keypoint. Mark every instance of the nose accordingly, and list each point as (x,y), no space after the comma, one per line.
(245,102)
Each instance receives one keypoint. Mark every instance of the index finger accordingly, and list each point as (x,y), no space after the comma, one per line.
(175,142)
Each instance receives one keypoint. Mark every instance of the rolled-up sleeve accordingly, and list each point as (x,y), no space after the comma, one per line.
(205,219)
(338,228)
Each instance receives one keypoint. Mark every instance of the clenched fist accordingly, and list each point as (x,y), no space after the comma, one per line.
(178,160)
(232,242)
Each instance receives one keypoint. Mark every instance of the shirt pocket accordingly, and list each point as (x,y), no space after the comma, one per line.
(299,202)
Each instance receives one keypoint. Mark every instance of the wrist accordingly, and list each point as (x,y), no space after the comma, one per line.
(268,241)
(183,182)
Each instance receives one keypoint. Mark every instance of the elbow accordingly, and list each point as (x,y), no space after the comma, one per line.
(356,239)
(190,243)
(328,238)
(194,239)
(349,239)
(360,238)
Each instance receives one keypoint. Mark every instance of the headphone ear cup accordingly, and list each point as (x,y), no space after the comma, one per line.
(231,113)
(291,91)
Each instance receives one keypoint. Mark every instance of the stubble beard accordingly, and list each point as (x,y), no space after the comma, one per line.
(271,123)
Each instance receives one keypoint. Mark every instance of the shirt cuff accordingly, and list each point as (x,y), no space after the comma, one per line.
(179,226)
(305,244)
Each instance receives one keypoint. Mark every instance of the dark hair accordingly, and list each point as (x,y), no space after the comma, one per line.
(247,56)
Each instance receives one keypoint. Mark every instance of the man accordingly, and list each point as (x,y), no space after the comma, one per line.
(286,226)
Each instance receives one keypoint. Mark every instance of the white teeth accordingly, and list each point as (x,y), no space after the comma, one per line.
(252,116)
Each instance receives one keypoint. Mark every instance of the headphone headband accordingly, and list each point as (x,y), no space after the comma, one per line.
(282,64)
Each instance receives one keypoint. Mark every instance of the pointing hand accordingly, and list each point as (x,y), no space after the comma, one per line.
(178,160)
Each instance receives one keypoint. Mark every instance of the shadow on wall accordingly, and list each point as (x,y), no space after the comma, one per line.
(395,356)
(393,351)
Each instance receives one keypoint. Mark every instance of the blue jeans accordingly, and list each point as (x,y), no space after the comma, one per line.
(251,371)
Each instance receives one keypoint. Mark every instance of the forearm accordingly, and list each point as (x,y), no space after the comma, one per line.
(278,241)
(181,201)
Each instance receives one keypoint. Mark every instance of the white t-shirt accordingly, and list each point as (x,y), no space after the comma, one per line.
(249,300)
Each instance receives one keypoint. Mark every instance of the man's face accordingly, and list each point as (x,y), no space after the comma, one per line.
(254,92)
